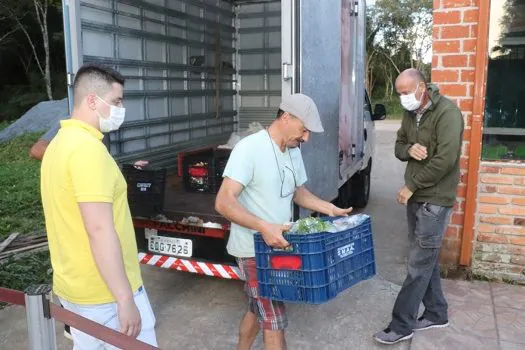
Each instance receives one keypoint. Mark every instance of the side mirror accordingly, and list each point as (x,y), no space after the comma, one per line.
(379,112)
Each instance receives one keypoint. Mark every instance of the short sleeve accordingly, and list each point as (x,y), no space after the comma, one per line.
(51,133)
(90,169)
(240,164)
(298,164)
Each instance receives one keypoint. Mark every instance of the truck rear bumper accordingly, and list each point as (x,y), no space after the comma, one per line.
(192,266)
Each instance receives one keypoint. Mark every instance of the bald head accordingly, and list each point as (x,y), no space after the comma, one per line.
(94,79)
(411,75)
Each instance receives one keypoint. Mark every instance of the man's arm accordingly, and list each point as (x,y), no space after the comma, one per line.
(94,189)
(227,204)
(402,145)
(38,149)
(308,200)
(448,129)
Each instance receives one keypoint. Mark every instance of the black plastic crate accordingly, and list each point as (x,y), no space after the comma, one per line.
(202,172)
(145,190)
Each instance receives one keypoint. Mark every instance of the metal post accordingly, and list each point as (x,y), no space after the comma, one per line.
(40,324)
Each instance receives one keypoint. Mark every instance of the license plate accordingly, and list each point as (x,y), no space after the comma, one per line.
(170,246)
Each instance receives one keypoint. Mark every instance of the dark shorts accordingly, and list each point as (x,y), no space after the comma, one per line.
(271,314)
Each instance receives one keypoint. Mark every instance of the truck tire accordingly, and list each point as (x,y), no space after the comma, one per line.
(360,184)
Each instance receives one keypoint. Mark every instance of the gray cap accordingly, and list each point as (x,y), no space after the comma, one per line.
(304,108)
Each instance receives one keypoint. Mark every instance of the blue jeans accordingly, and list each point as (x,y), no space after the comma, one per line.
(427,224)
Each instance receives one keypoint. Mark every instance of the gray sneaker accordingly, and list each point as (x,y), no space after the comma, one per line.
(388,336)
(422,324)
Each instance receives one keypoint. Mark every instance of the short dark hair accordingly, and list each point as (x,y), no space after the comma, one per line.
(280,113)
(92,77)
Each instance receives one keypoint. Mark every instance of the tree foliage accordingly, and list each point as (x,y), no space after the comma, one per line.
(399,36)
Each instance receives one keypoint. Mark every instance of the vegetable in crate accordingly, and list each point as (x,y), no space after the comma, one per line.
(311,225)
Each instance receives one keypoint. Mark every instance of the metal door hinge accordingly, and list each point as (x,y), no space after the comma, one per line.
(70,79)
(287,71)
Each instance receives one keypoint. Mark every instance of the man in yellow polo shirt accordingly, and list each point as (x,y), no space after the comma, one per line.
(91,237)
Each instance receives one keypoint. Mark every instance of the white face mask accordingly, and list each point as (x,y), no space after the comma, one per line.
(114,120)
(410,102)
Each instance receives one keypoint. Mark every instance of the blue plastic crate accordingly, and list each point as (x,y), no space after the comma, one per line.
(316,267)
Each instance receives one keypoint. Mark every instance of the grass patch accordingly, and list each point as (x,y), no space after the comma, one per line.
(21,211)
(28,270)
(20,206)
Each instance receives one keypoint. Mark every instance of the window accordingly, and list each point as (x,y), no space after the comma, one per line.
(504,129)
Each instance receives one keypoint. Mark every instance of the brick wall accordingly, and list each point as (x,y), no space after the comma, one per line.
(499,250)
(499,232)
(453,62)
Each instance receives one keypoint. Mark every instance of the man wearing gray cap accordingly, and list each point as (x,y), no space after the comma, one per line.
(264,174)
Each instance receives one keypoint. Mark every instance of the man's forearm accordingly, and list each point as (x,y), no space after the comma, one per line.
(306,199)
(107,253)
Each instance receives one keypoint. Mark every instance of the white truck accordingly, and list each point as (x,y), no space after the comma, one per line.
(198,70)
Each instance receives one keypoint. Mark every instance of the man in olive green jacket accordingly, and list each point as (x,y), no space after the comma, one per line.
(429,140)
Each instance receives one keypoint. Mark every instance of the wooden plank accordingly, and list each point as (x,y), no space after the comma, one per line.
(8,240)
(19,250)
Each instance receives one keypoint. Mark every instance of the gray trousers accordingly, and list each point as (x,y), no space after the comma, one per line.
(427,224)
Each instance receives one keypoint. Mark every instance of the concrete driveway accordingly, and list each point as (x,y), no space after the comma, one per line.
(195,312)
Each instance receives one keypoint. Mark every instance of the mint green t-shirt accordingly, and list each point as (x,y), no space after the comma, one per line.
(267,174)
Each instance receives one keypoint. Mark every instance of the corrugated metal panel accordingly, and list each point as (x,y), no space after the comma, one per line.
(170,104)
(259,62)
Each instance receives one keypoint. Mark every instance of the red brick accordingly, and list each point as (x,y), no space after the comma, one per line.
(516,250)
(466,135)
(517,269)
(502,180)
(455,3)
(471,61)
(452,232)
(437,4)
(519,221)
(448,17)
(463,163)
(462,191)
(457,219)
(485,228)
(467,76)
(489,169)
(452,90)
(514,190)
(455,32)
(459,206)
(515,211)
(488,189)
(470,16)
(518,201)
(435,61)
(519,181)
(510,230)
(518,260)
(488,209)
(473,30)
(513,171)
(454,61)
(445,76)
(493,199)
(490,238)
(466,104)
(436,33)
(517,240)
(449,46)
(496,220)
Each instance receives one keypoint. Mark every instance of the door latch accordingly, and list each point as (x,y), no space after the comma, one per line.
(287,71)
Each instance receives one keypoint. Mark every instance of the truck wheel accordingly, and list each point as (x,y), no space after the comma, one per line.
(361,187)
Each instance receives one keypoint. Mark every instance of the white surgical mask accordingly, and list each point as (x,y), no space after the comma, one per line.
(410,102)
(114,120)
